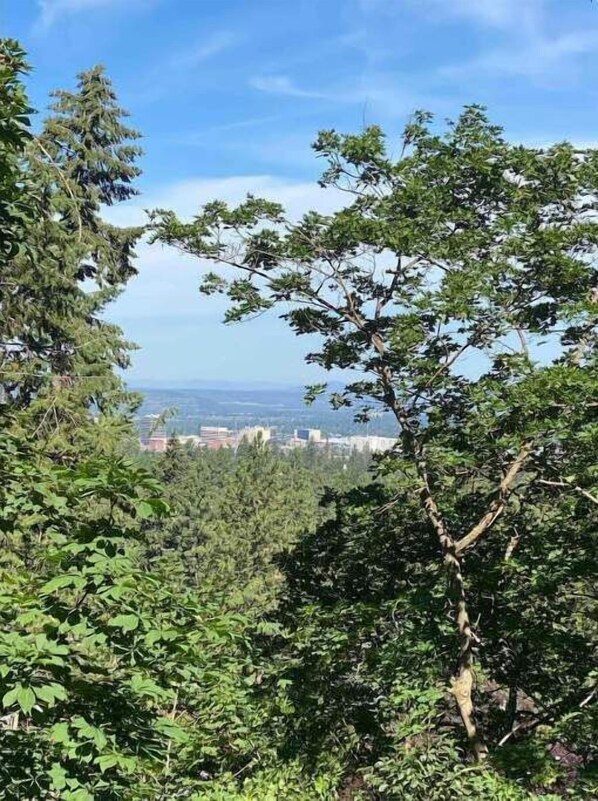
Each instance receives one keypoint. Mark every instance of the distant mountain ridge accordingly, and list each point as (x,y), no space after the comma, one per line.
(200,383)
(236,405)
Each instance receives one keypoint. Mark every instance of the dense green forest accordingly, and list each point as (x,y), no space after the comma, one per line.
(255,624)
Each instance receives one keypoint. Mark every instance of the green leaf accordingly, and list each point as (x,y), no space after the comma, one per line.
(58,776)
(80,794)
(10,697)
(60,582)
(59,733)
(26,699)
(50,693)
(124,622)
(106,761)
(144,509)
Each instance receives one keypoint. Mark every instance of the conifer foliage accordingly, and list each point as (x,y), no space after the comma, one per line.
(106,672)
(59,353)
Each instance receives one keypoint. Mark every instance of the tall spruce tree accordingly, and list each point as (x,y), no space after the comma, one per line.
(111,686)
(17,205)
(75,263)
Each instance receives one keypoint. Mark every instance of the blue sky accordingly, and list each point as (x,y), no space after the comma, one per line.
(229,95)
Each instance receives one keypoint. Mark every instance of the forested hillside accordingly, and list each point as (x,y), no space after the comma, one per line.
(255,624)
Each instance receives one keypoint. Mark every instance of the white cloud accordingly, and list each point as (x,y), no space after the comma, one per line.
(200,137)
(379,92)
(162,311)
(51,10)
(527,46)
(494,13)
(167,282)
(282,85)
(540,58)
(203,51)
(167,74)
(186,197)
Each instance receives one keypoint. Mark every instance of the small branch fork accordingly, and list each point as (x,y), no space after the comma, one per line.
(499,504)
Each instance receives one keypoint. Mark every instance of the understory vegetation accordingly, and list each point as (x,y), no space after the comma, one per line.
(256,624)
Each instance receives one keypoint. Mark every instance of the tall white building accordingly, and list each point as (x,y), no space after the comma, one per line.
(255,433)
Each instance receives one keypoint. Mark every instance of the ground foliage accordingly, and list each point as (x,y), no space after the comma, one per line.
(233,512)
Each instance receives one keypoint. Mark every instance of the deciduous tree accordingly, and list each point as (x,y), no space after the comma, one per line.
(459,286)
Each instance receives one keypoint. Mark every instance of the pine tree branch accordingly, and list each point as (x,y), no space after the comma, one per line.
(66,184)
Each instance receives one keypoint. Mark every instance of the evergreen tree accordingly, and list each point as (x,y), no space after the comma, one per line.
(112,686)
(73,265)
(17,207)
(233,514)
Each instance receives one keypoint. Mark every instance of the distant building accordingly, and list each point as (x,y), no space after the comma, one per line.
(156,444)
(215,437)
(373,444)
(190,439)
(211,433)
(308,435)
(152,433)
(255,433)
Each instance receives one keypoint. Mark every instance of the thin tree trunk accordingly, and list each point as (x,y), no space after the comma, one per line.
(511,709)
(463,681)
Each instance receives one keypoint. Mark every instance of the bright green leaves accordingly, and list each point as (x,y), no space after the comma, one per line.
(74,581)
(24,697)
(154,507)
(107,672)
(80,742)
(27,697)
(124,622)
(147,687)
(51,693)
(365,151)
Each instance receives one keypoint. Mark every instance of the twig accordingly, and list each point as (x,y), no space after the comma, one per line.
(573,487)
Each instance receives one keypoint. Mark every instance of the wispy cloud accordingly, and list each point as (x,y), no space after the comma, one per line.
(541,58)
(167,282)
(204,50)
(494,13)
(167,73)
(207,134)
(525,44)
(283,85)
(380,92)
(51,10)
